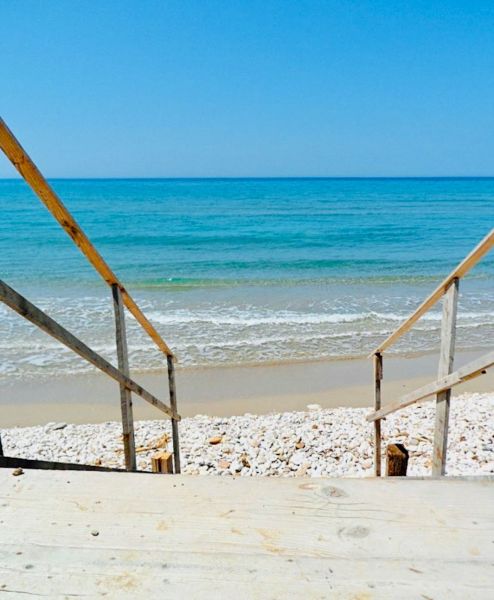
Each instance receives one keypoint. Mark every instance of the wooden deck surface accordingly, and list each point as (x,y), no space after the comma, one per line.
(89,534)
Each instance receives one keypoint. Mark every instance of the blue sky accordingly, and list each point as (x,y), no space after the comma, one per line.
(151,88)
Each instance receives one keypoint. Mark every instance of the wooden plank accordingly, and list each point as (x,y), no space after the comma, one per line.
(23,163)
(462,269)
(32,313)
(469,371)
(446,360)
(378,375)
(125,394)
(132,536)
(173,405)
(13,462)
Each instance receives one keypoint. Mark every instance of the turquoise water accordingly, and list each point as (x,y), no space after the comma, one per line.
(248,270)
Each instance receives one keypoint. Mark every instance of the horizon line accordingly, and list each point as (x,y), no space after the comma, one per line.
(256,177)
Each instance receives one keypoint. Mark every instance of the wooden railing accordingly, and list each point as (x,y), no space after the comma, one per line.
(447,379)
(121,298)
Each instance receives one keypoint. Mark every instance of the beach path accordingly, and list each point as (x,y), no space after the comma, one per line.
(124,535)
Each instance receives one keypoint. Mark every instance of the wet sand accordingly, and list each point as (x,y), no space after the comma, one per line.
(225,391)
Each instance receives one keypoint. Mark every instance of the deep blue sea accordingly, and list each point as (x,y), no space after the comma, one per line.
(245,270)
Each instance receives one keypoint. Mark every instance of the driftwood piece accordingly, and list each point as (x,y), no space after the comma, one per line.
(396,460)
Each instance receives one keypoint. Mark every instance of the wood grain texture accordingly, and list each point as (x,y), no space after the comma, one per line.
(446,361)
(172,389)
(396,460)
(378,375)
(90,535)
(469,371)
(36,316)
(470,261)
(125,394)
(26,167)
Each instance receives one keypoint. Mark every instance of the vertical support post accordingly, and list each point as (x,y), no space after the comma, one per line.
(378,375)
(173,406)
(446,359)
(125,394)
(1,447)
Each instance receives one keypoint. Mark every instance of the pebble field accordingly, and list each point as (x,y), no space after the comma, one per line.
(316,442)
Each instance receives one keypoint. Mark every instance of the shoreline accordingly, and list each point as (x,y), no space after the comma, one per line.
(225,391)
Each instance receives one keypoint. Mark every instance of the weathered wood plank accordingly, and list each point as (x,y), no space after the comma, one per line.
(23,163)
(173,405)
(12,462)
(125,394)
(446,360)
(469,371)
(378,375)
(91,534)
(32,313)
(470,261)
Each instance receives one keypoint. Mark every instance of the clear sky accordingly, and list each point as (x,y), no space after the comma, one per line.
(244,88)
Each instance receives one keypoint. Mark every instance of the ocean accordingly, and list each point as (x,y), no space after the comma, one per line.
(242,271)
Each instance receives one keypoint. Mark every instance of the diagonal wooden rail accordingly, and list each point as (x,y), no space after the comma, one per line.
(32,313)
(447,379)
(469,371)
(26,167)
(22,162)
(462,269)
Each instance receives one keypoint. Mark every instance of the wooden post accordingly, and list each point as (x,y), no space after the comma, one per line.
(1,447)
(396,460)
(173,406)
(378,375)
(32,313)
(125,394)
(162,463)
(446,360)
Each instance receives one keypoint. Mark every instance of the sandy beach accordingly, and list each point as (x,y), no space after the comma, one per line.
(225,391)
(286,419)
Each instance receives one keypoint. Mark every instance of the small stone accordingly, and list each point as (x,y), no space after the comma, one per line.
(17,472)
(223,464)
(58,426)
(95,532)
(300,444)
(217,439)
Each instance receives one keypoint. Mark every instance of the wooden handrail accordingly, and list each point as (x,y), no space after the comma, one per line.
(23,163)
(469,371)
(470,261)
(32,313)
